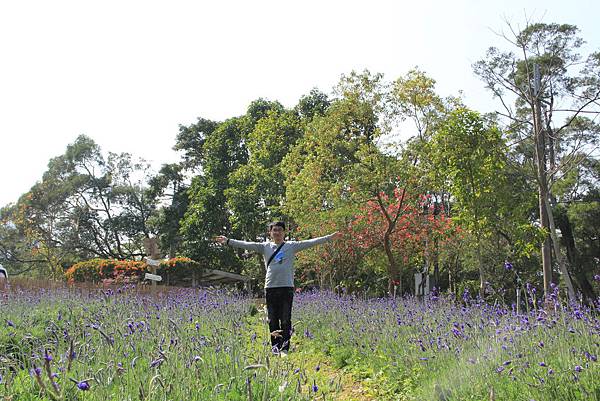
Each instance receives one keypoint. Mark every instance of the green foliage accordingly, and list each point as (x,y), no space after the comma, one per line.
(86,205)
(319,167)
(256,192)
(168,188)
(190,140)
(550,154)
(473,157)
(206,216)
(319,163)
(311,105)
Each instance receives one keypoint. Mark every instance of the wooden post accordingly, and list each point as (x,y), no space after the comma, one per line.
(153,252)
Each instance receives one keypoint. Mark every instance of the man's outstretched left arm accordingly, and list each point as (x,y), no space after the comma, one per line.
(300,245)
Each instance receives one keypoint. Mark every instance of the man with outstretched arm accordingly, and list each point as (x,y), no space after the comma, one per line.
(279,282)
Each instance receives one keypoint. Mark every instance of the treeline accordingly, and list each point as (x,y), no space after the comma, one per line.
(479,202)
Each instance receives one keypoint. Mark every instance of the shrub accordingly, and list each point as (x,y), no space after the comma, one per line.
(97,270)
(180,270)
(173,271)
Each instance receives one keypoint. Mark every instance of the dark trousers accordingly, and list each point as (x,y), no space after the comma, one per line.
(279,311)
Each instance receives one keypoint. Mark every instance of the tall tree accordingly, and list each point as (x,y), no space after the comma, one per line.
(577,214)
(223,151)
(545,105)
(256,192)
(219,152)
(169,191)
(472,155)
(18,252)
(190,141)
(87,206)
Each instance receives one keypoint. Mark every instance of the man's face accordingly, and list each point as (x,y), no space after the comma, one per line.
(277,233)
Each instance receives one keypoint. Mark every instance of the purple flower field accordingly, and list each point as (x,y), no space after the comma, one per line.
(171,344)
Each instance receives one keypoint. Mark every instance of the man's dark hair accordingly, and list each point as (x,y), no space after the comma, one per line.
(276,224)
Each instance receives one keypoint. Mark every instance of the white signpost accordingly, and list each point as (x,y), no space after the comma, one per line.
(153,262)
(153,251)
(153,277)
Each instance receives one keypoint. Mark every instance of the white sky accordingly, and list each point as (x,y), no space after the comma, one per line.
(127,73)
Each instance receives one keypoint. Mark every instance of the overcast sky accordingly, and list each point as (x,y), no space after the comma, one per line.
(128,73)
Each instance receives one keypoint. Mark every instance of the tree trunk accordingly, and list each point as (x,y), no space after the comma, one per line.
(436,265)
(574,258)
(542,180)
(480,263)
(561,262)
(394,276)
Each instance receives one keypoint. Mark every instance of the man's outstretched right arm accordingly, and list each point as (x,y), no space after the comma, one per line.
(251,246)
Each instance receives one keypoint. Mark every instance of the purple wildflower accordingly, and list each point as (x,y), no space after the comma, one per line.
(156,363)
(47,356)
(508,266)
(597,277)
(578,368)
(10,323)
(315,388)
(308,334)
(542,364)
(83,385)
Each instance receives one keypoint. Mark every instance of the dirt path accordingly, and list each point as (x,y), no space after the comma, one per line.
(340,384)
